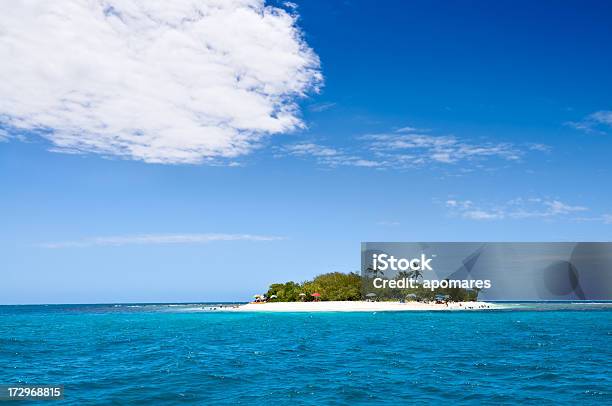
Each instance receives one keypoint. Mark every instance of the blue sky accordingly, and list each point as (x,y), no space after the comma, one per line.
(433,121)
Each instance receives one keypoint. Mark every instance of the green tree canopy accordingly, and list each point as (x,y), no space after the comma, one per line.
(331,286)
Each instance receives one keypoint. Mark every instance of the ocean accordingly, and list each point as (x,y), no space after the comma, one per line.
(170,354)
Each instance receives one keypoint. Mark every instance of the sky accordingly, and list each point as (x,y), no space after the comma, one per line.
(202,150)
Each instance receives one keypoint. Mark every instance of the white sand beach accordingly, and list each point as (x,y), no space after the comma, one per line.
(360,306)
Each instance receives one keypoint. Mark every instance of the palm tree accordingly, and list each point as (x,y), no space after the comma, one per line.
(403,275)
(416,274)
(374,272)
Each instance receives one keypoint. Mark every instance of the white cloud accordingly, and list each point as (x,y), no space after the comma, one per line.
(326,156)
(556,207)
(598,122)
(539,147)
(408,147)
(482,215)
(180,81)
(603,117)
(437,148)
(407,129)
(158,239)
(467,210)
(311,149)
(518,208)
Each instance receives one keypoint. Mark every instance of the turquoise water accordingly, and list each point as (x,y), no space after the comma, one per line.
(171,354)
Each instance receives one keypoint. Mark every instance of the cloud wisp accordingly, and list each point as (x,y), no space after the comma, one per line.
(326,156)
(174,82)
(415,148)
(409,147)
(321,107)
(599,122)
(519,208)
(157,239)
(4,135)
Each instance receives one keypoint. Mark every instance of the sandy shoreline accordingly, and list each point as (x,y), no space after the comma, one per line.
(360,306)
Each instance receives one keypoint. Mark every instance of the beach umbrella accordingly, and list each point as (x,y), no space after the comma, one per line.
(316,294)
(273,297)
(302,294)
(371,295)
(440,297)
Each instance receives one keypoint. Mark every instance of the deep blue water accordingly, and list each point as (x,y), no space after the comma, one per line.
(160,354)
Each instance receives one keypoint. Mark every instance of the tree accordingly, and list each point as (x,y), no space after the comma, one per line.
(374,272)
(416,274)
(403,275)
(285,292)
(331,286)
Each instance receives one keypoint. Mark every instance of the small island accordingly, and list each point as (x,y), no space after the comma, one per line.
(337,291)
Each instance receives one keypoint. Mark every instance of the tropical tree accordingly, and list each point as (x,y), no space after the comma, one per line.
(374,272)
(285,292)
(331,286)
(415,274)
(403,275)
